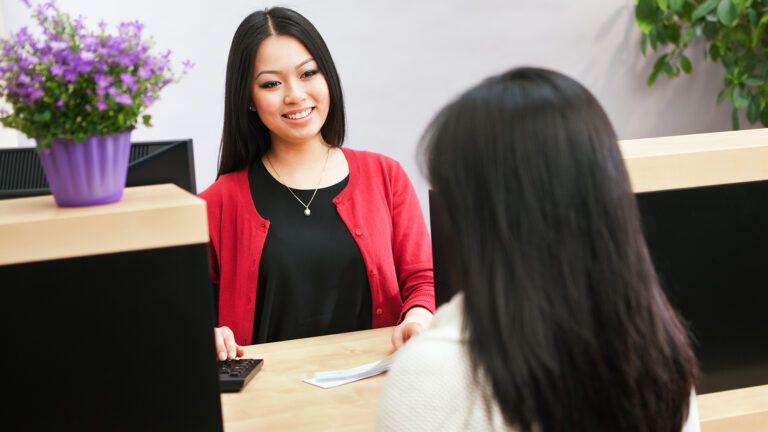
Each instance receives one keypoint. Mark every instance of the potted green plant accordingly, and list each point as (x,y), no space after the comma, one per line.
(736,35)
(79,94)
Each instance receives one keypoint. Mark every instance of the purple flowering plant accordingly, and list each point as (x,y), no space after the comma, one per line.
(72,83)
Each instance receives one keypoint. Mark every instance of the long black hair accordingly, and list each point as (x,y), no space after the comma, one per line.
(564,313)
(245,137)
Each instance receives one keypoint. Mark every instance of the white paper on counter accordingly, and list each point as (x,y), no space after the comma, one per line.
(329,379)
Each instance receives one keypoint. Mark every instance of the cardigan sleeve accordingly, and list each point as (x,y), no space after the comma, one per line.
(212,199)
(411,246)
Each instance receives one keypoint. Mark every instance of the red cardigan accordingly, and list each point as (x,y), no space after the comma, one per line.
(378,206)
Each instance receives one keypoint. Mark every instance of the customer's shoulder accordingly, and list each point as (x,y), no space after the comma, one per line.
(445,339)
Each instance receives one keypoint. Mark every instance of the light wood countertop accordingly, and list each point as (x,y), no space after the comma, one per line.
(277,399)
(696,160)
(147,217)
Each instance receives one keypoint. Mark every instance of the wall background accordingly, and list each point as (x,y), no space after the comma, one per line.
(401,60)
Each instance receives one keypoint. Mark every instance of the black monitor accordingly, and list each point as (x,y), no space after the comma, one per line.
(709,247)
(156,162)
(443,247)
(120,341)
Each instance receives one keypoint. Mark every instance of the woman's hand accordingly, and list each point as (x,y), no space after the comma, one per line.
(226,347)
(416,320)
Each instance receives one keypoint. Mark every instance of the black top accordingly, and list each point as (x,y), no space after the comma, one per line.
(312,279)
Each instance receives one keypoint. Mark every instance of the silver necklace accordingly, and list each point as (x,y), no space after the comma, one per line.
(307,211)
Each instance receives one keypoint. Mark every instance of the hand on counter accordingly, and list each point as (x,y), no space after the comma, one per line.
(416,320)
(226,347)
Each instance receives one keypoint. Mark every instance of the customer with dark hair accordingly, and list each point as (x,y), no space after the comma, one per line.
(307,238)
(561,325)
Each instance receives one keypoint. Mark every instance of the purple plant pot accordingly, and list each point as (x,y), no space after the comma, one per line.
(87,173)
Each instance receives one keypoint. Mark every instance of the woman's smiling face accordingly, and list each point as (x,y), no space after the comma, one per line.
(289,93)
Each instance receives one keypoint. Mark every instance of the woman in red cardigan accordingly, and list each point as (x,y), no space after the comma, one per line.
(307,238)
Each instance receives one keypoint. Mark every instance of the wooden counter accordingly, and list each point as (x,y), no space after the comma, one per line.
(277,399)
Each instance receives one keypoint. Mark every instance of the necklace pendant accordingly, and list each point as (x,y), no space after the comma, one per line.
(307,212)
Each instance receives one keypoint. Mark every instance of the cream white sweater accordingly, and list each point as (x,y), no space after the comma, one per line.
(430,385)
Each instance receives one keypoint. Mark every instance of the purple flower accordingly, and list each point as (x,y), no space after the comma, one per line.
(79,24)
(188,65)
(70,75)
(122,99)
(57,70)
(145,72)
(58,45)
(129,81)
(103,81)
(117,72)
(23,37)
(35,94)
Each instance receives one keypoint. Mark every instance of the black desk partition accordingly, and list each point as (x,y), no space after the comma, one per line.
(710,248)
(119,342)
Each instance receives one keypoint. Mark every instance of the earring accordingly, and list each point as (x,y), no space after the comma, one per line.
(251,108)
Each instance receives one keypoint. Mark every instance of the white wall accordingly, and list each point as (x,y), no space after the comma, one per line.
(400,60)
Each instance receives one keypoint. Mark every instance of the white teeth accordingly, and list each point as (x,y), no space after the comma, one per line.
(299,115)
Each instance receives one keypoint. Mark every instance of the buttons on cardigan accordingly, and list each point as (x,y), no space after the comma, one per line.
(358,232)
(336,200)
(379,311)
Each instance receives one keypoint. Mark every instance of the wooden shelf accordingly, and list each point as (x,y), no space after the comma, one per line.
(743,410)
(147,217)
(686,161)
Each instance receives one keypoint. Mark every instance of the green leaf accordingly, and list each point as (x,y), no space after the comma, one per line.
(668,70)
(688,35)
(659,63)
(146,119)
(722,95)
(42,117)
(644,44)
(645,14)
(754,82)
(704,9)
(741,4)
(676,5)
(672,34)
(685,64)
(652,77)
(727,13)
(735,119)
(740,101)
(653,38)
(752,15)
(714,52)
(663,4)
(753,110)
(763,22)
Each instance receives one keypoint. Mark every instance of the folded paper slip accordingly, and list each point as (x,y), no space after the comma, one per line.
(328,379)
